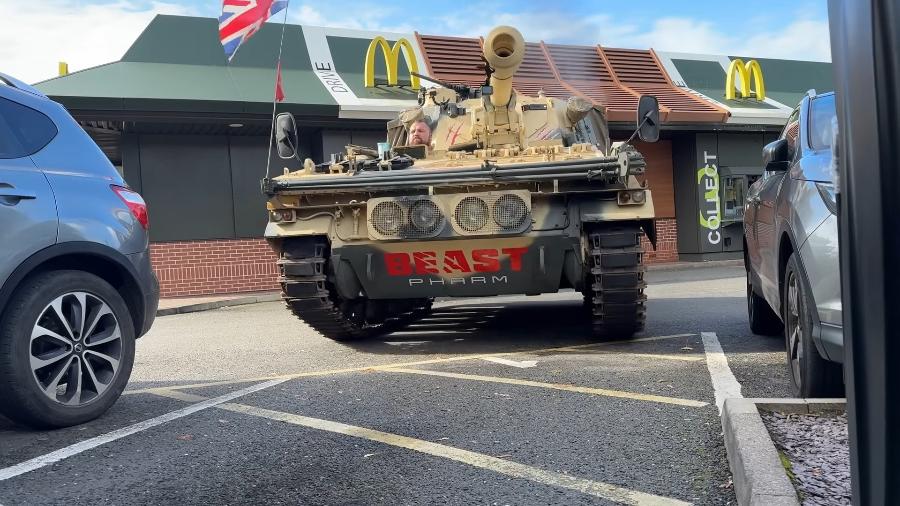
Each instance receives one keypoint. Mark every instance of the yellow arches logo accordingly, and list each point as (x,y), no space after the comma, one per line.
(745,71)
(391,61)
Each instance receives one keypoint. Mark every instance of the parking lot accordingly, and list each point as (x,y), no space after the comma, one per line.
(488,401)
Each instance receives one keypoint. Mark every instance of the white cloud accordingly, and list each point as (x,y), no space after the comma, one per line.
(799,40)
(364,17)
(38,35)
(802,39)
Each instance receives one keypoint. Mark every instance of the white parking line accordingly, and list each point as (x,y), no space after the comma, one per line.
(88,444)
(521,364)
(725,385)
(553,386)
(495,464)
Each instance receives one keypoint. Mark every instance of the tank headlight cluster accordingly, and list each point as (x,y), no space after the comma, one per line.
(425,216)
(510,211)
(472,214)
(282,215)
(632,197)
(387,217)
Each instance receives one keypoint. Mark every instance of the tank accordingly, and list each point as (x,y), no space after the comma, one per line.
(477,191)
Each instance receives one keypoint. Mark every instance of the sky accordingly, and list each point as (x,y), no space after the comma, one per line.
(34,36)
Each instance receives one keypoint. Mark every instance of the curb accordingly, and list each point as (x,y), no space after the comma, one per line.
(206,306)
(683,266)
(759,478)
(758,475)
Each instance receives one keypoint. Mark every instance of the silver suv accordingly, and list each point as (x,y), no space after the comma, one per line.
(791,249)
(76,286)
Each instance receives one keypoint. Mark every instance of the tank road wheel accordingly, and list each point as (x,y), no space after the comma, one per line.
(616,281)
(308,290)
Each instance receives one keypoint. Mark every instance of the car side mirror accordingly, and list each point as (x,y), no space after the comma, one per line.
(648,118)
(775,156)
(286,139)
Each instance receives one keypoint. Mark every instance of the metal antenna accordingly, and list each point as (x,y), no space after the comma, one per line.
(274,100)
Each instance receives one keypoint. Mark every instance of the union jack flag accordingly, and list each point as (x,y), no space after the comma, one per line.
(240,19)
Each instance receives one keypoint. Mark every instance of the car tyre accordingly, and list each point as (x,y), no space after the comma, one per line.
(763,320)
(66,350)
(811,375)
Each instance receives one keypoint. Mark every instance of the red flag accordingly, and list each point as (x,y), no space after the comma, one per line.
(279,86)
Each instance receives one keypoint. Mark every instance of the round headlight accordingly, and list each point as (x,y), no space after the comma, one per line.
(638,196)
(387,217)
(472,214)
(425,216)
(510,211)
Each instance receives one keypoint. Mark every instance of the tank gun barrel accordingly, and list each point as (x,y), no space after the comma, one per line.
(504,50)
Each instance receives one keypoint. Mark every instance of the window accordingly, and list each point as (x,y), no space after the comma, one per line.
(23,131)
(791,132)
(821,122)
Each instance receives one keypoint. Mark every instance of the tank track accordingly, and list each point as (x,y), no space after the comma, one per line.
(616,281)
(310,295)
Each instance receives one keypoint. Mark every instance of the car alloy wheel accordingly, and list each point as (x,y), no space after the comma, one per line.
(75,348)
(794,327)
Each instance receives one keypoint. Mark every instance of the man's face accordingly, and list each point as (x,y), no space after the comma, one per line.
(419,133)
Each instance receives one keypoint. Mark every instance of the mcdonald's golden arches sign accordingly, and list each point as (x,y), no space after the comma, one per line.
(745,71)
(391,61)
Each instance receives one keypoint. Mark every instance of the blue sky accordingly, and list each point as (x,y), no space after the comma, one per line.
(792,30)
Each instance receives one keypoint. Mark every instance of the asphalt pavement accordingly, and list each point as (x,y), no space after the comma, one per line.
(486,401)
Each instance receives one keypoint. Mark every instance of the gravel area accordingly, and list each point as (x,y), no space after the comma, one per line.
(818,449)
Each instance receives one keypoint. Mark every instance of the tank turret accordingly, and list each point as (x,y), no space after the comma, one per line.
(504,50)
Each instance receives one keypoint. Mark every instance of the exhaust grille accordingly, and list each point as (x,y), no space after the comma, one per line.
(492,213)
(404,218)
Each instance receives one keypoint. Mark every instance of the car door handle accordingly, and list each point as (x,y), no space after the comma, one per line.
(11,196)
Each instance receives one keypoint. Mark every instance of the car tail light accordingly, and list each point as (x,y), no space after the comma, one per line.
(135,204)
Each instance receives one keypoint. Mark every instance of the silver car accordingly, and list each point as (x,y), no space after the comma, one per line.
(791,249)
(76,285)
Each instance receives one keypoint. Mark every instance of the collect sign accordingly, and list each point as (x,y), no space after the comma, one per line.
(708,190)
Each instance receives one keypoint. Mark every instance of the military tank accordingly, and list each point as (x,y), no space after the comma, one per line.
(478,191)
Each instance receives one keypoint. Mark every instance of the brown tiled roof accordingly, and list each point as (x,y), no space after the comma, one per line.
(640,71)
(612,78)
(583,69)
(453,59)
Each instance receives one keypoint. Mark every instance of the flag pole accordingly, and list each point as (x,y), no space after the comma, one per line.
(274,99)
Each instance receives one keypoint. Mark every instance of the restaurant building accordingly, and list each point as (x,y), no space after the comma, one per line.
(190,131)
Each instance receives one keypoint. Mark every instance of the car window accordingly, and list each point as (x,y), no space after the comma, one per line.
(23,130)
(791,132)
(821,119)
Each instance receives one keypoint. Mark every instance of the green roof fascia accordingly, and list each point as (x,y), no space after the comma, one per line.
(188,88)
(178,64)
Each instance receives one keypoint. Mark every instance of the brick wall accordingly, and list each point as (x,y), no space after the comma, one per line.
(666,243)
(211,267)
